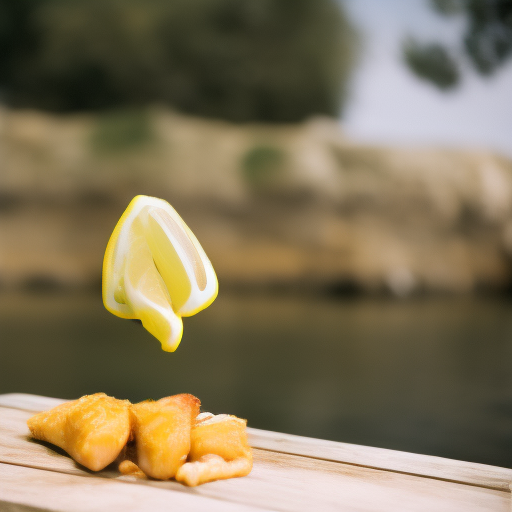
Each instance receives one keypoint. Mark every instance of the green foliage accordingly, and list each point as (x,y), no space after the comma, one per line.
(242,60)
(261,166)
(432,62)
(121,130)
(448,7)
(487,41)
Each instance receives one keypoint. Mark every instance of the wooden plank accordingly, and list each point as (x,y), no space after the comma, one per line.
(61,492)
(411,463)
(28,402)
(278,481)
(51,491)
(378,458)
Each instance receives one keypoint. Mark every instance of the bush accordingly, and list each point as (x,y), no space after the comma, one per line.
(242,60)
(121,130)
(261,166)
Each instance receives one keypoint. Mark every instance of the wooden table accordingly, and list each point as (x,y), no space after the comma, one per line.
(291,473)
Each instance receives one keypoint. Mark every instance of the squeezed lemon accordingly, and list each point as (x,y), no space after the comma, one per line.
(155,270)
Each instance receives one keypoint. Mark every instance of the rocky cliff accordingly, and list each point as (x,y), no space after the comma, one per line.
(291,206)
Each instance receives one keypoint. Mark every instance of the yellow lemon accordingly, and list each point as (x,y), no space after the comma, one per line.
(155,270)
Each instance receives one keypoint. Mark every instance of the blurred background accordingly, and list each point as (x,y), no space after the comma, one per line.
(347,167)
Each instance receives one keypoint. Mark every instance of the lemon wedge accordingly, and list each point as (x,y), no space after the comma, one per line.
(155,270)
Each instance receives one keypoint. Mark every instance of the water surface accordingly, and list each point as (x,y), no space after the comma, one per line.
(430,375)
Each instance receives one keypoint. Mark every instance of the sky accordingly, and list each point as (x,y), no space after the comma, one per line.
(388,104)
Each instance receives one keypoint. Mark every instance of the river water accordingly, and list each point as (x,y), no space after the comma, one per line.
(429,375)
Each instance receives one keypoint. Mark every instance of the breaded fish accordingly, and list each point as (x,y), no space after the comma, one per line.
(212,467)
(129,468)
(219,449)
(223,435)
(93,429)
(162,433)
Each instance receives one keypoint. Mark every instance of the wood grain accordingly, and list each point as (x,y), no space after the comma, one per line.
(28,402)
(378,458)
(279,481)
(64,493)
(411,463)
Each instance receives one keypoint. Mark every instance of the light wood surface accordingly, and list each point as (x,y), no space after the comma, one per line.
(379,458)
(291,473)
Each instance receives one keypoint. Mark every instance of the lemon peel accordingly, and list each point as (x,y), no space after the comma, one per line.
(156,271)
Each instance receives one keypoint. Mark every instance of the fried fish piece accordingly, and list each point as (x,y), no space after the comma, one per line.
(93,429)
(162,433)
(212,467)
(219,450)
(221,434)
(128,467)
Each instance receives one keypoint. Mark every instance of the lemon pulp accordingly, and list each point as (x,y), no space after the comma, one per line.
(155,270)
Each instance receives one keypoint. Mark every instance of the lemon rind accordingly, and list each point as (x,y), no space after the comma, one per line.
(108,260)
(124,223)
